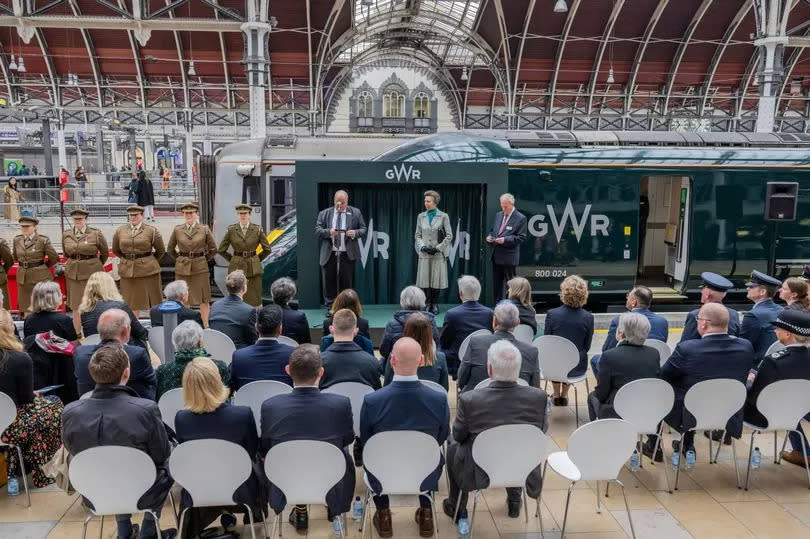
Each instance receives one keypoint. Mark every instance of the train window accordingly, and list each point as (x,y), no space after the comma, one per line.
(251,191)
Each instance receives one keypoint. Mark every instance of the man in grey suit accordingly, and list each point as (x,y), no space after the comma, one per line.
(338,228)
(232,316)
(507,233)
(473,367)
(503,402)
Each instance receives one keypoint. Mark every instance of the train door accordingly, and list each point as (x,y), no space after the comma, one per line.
(664,219)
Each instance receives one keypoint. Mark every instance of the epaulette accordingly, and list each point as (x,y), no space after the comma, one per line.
(780,353)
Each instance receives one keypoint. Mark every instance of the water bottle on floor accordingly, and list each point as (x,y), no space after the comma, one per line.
(357,509)
(463,528)
(756,459)
(676,455)
(13,486)
(548,405)
(691,458)
(337,526)
(634,460)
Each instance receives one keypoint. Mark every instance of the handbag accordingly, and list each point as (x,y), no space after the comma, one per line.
(57,468)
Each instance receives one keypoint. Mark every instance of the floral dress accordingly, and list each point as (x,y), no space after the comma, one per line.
(37,431)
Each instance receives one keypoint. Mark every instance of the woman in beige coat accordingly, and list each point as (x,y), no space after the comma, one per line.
(432,240)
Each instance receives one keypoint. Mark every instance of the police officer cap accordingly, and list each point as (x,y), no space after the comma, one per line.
(189,206)
(79,212)
(793,320)
(135,209)
(715,281)
(28,220)
(243,208)
(806,274)
(761,279)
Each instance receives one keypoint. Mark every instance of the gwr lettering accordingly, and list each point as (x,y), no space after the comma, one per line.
(539,228)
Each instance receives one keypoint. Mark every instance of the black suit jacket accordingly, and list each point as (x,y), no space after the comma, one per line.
(459,322)
(362,327)
(308,414)
(513,234)
(690,324)
(473,367)
(792,362)
(234,318)
(295,325)
(620,365)
(501,403)
(354,221)
(184,314)
(264,360)
(347,362)
(141,374)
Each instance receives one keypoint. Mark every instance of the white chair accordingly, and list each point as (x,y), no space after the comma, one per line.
(98,475)
(524,333)
(255,393)
(557,356)
(486,381)
(713,402)
(644,403)
(465,344)
(219,345)
(92,339)
(784,404)
(356,392)
(156,343)
(304,470)
(663,349)
(283,339)
(400,460)
(775,347)
(169,404)
(596,452)
(211,471)
(508,454)
(8,414)
(434,386)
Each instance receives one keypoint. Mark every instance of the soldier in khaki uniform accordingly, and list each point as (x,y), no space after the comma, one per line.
(36,255)
(192,246)
(86,250)
(140,247)
(245,237)
(6,263)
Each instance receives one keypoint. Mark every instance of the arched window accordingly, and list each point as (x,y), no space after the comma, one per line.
(365,105)
(393,103)
(421,106)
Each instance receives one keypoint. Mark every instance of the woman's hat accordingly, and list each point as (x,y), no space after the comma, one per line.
(795,321)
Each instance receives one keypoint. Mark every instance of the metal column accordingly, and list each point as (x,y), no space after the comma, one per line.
(257,35)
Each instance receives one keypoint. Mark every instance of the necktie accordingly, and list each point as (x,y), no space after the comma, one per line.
(244,229)
(78,233)
(503,224)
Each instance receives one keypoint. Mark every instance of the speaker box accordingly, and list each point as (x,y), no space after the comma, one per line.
(781,199)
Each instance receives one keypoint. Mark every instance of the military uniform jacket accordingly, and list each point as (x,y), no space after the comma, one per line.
(244,244)
(789,363)
(90,244)
(756,327)
(34,254)
(191,250)
(6,261)
(139,251)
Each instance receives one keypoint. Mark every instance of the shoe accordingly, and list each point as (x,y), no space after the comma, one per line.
(795,457)
(647,451)
(227,521)
(382,523)
(513,508)
(676,444)
(299,518)
(357,453)
(424,517)
(563,401)
(133,534)
(171,533)
(716,435)
(449,508)
(433,308)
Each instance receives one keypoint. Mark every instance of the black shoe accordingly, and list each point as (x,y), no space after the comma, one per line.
(717,435)
(227,521)
(133,534)
(171,533)
(513,508)
(299,518)
(357,453)
(647,451)
(433,308)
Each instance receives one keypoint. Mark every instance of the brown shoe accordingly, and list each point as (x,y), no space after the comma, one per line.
(424,517)
(382,523)
(794,457)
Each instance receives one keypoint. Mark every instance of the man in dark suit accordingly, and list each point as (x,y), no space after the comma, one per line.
(405,404)
(714,290)
(268,358)
(308,414)
(473,368)
(462,320)
(345,361)
(294,323)
(508,232)
(338,228)
(639,300)
(114,327)
(231,315)
(715,355)
(176,291)
(757,323)
(503,402)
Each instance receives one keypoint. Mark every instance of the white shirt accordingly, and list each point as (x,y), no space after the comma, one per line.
(400,378)
(339,223)
(296,386)
(267,339)
(718,333)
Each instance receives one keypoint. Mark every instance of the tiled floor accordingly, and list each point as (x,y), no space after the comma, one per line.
(707,504)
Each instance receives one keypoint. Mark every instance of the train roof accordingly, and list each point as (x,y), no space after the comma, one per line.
(287,147)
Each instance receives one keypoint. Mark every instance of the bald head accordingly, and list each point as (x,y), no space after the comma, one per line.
(114,325)
(406,357)
(713,318)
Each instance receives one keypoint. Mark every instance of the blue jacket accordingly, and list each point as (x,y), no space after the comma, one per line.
(659,328)
(309,414)
(264,360)
(141,374)
(576,325)
(756,327)
(690,325)
(459,322)
(234,318)
(693,361)
(295,325)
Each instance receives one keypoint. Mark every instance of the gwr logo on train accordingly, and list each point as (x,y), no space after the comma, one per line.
(402,173)
(599,222)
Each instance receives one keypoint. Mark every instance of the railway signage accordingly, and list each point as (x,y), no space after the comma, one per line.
(598,222)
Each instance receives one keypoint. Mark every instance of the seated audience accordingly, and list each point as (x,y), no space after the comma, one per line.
(405,404)
(411,300)
(503,402)
(574,323)
(714,290)
(176,291)
(309,414)
(208,414)
(345,361)
(434,366)
(231,315)
(462,320)
(113,327)
(46,298)
(794,291)
(100,294)
(295,324)
(756,325)
(639,300)
(36,428)
(629,361)
(115,415)
(473,367)
(519,292)
(348,299)
(267,359)
(187,341)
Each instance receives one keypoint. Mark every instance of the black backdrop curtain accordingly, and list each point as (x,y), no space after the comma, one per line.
(390,212)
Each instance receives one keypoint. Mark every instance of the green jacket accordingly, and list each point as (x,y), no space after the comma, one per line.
(170,375)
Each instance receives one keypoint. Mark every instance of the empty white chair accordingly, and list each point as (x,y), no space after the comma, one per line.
(596,452)
(156,343)
(465,344)
(98,475)
(434,386)
(775,347)
(211,471)
(784,404)
(713,402)
(169,404)
(644,403)
(557,356)
(304,470)
(664,351)
(486,381)
(400,460)
(8,414)
(219,345)
(92,339)
(356,392)
(524,333)
(255,393)
(283,339)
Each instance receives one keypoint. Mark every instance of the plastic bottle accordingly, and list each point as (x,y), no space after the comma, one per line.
(756,459)
(463,528)
(676,459)
(337,526)
(548,406)
(357,509)
(690,459)
(634,461)
(13,486)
